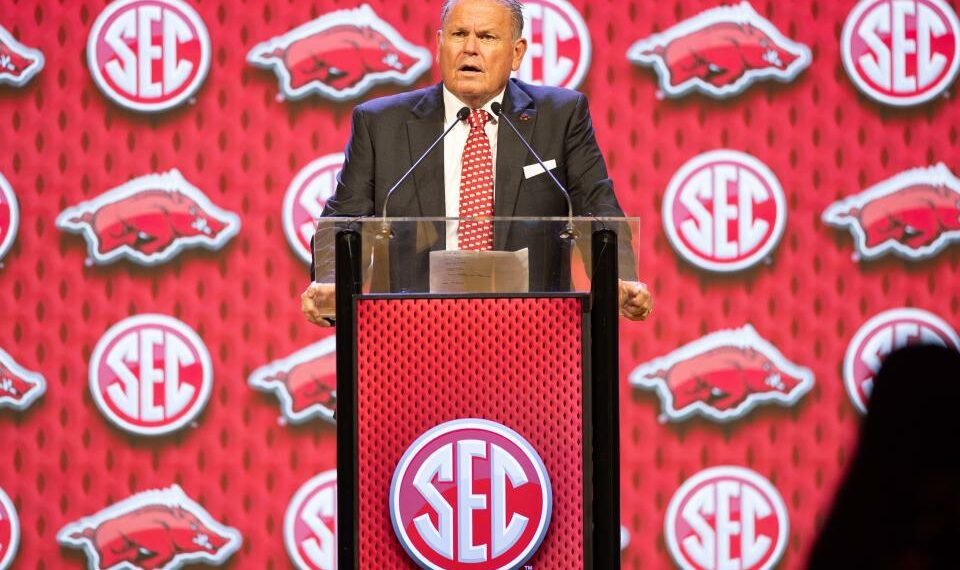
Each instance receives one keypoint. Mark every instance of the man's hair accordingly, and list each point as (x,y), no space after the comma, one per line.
(515,7)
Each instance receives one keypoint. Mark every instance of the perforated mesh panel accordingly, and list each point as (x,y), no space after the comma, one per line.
(517,362)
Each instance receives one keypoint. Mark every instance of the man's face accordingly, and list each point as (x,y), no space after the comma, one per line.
(476,50)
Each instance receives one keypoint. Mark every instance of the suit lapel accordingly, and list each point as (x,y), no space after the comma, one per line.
(421,131)
(511,154)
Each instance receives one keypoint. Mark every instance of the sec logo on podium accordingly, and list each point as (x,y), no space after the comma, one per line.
(470,494)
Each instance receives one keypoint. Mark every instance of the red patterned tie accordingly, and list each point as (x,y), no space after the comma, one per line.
(476,187)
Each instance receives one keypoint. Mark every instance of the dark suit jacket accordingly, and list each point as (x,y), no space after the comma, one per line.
(390,133)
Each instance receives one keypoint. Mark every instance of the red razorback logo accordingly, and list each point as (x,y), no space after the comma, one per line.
(153,530)
(723,376)
(19,388)
(720,52)
(901,53)
(310,524)
(149,55)
(305,382)
(18,63)
(915,214)
(9,216)
(341,55)
(149,220)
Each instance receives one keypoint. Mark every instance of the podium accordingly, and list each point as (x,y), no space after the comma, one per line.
(477,392)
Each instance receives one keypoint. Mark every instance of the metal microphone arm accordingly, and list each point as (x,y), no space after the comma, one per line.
(462,115)
(497,109)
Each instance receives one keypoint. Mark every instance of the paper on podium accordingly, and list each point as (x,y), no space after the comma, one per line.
(479,271)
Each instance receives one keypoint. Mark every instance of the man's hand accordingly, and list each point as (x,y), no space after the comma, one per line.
(635,300)
(318,303)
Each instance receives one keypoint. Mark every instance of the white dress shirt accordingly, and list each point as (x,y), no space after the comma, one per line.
(453,147)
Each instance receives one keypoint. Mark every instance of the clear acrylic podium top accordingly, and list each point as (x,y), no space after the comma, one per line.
(529,255)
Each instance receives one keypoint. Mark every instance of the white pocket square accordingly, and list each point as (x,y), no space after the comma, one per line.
(531,170)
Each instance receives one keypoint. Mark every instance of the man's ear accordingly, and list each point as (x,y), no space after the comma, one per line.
(519,49)
(439,44)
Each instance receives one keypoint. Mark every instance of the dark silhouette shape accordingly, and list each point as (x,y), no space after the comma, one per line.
(899,505)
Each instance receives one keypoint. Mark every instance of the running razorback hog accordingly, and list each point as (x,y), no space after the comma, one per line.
(723,376)
(149,222)
(340,57)
(915,216)
(15,389)
(721,54)
(310,383)
(18,63)
(153,530)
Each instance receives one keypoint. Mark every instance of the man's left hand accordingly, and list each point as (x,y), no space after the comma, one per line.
(636,303)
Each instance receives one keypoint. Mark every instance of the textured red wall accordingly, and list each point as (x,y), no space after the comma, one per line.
(62,142)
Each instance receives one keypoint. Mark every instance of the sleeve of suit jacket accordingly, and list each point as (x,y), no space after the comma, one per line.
(354,196)
(590,187)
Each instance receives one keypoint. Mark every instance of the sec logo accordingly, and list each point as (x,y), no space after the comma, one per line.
(558,44)
(724,211)
(880,336)
(9,216)
(150,375)
(901,52)
(306,196)
(470,494)
(727,517)
(310,525)
(9,531)
(148,55)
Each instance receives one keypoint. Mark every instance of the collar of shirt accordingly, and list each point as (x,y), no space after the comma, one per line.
(452,104)
(453,147)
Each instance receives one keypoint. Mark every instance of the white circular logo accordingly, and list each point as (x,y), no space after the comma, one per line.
(724,211)
(899,52)
(727,517)
(9,216)
(310,525)
(150,375)
(558,44)
(306,196)
(9,531)
(470,494)
(880,336)
(148,55)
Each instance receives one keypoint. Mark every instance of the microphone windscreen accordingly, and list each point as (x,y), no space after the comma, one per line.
(497,108)
(463,113)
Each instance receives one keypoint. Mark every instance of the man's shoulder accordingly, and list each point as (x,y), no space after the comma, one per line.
(397,103)
(549,95)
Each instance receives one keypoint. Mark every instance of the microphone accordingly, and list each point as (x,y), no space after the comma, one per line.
(497,109)
(462,115)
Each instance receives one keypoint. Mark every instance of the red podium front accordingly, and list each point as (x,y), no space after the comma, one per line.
(477,392)
(516,361)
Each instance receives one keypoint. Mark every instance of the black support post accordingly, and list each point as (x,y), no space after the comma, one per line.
(348,282)
(605,401)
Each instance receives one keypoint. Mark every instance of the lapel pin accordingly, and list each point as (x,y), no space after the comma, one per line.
(524,117)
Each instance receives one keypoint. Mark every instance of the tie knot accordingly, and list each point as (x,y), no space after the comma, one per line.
(478,118)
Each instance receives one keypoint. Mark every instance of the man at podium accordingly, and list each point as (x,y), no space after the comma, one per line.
(478,169)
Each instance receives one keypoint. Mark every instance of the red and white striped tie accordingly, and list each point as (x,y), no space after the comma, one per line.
(476,187)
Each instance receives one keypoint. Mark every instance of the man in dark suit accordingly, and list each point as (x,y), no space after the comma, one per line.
(478,46)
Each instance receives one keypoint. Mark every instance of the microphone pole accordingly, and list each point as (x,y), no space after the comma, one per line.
(497,109)
(462,115)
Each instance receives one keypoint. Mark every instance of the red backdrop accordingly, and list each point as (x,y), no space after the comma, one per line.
(63,142)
